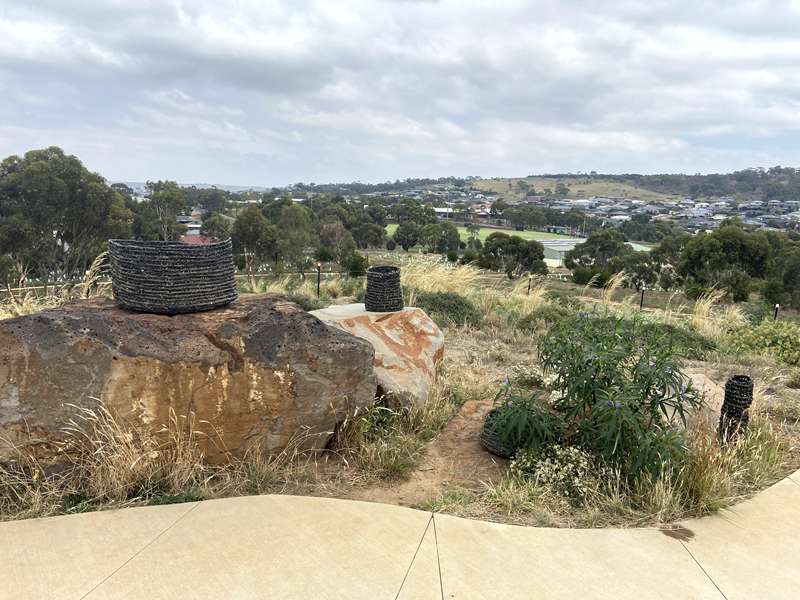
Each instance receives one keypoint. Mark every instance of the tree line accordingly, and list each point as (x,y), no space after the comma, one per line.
(735,258)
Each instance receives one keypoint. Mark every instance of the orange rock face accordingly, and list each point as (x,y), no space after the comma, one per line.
(258,371)
(408,347)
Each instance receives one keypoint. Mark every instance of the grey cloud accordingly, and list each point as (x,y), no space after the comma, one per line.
(273,92)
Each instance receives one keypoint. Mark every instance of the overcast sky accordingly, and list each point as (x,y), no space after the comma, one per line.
(270,93)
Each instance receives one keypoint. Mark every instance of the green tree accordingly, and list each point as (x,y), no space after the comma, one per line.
(216,226)
(512,255)
(708,258)
(640,268)
(369,235)
(298,234)
(498,207)
(562,190)
(334,238)
(473,230)
(254,238)
(413,211)
(55,215)
(440,237)
(168,202)
(602,250)
(406,235)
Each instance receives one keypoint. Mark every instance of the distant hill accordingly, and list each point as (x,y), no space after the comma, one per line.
(775,183)
(579,187)
(139,186)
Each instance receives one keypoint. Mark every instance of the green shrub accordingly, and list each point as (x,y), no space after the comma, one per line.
(621,390)
(306,302)
(598,277)
(737,283)
(390,244)
(780,339)
(527,378)
(682,342)
(546,314)
(452,256)
(523,421)
(352,286)
(695,291)
(325,254)
(568,470)
(356,264)
(448,308)
(360,293)
(567,299)
(469,256)
(756,311)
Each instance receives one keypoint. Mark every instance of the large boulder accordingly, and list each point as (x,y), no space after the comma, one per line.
(408,347)
(258,371)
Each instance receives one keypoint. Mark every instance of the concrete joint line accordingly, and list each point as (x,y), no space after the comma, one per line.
(140,550)
(792,480)
(697,562)
(438,560)
(413,558)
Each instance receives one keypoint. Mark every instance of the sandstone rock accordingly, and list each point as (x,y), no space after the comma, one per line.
(408,346)
(259,370)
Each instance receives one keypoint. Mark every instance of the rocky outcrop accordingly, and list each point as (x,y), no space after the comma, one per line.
(257,371)
(408,347)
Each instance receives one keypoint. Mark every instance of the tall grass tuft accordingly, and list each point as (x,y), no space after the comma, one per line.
(712,322)
(612,285)
(438,276)
(120,462)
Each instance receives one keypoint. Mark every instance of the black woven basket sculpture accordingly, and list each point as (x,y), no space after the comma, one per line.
(383,290)
(491,441)
(171,277)
(735,415)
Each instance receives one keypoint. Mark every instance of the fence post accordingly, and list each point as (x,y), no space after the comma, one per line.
(641,300)
(319,275)
(775,318)
(530,278)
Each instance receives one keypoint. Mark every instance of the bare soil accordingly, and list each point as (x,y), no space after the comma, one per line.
(454,458)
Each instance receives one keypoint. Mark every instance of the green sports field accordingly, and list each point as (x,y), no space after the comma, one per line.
(486,231)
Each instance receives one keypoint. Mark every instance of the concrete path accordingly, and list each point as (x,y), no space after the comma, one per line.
(285,547)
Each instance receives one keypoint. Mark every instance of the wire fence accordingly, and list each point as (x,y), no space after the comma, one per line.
(557,283)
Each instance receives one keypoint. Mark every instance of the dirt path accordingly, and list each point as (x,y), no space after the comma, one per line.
(454,459)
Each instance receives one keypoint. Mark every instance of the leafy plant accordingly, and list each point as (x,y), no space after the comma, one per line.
(543,315)
(306,302)
(566,470)
(780,339)
(523,421)
(680,341)
(621,391)
(448,308)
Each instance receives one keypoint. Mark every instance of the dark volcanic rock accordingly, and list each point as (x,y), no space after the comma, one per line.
(259,370)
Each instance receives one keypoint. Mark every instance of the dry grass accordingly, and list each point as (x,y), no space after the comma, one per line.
(612,285)
(712,478)
(711,321)
(116,465)
(94,284)
(439,276)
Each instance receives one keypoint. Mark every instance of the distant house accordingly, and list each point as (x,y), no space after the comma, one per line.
(197,240)
(650,209)
(443,212)
(584,203)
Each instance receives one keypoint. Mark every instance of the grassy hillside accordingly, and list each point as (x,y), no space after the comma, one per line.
(486,231)
(578,187)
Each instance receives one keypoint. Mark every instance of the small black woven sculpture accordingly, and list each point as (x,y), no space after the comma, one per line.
(491,441)
(735,416)
(171,277)
(383,290)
